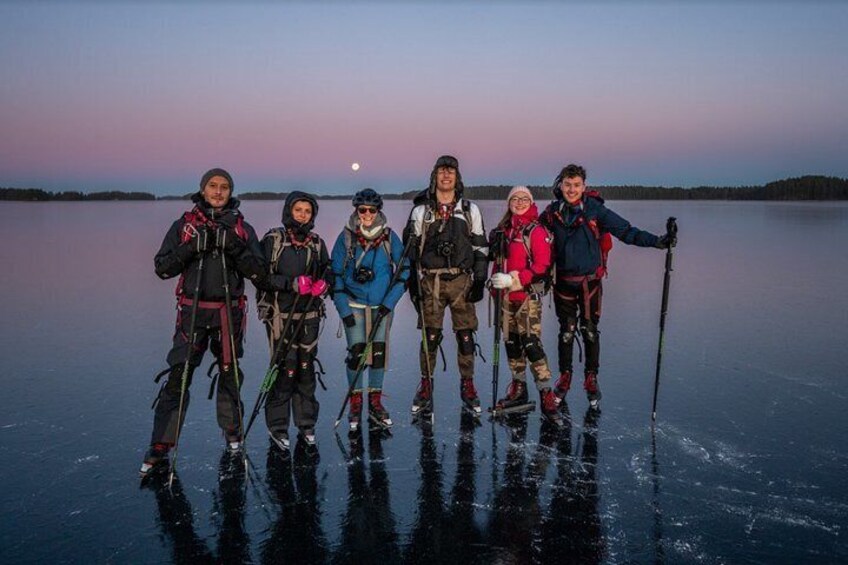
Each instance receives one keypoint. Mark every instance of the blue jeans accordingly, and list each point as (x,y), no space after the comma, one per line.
(357,334)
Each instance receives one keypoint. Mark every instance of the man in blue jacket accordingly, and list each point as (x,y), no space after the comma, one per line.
(580,221)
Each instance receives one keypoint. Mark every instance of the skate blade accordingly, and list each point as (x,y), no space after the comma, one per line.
(518,409)
(377,423)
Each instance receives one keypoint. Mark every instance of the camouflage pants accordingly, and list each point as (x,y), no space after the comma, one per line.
(522,326)
(436,296)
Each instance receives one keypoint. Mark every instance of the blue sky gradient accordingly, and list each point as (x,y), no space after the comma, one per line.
(131,96)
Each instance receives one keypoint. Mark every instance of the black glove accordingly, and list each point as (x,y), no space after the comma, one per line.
(349,321)
(383,311)
(475,293)
(665,241)
(496,244)
(230,242)
(200,242)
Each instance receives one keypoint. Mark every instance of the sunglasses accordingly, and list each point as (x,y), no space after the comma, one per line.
(366,210)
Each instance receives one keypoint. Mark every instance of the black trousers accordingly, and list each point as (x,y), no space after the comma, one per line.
(578,308)
(208,335)
(294,390)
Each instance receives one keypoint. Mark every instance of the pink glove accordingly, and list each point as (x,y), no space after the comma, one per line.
(303,285)
(319,288)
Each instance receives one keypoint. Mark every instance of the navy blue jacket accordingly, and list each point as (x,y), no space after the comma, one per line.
(372,293)
(577,250)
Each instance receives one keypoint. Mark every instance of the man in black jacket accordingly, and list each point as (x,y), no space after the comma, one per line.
(214,231)
(449,257)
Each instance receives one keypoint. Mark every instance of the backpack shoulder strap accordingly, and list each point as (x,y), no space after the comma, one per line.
(387,246)
(279,241)
(349,251)
(466,211)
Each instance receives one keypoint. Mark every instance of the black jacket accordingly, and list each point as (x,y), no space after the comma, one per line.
(177,258)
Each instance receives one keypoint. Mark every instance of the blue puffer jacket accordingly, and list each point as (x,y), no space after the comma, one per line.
(577,250)
(372,293)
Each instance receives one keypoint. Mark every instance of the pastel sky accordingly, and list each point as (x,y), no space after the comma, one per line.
(131,96)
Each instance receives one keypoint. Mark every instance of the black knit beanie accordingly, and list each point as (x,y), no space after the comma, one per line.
(216,173)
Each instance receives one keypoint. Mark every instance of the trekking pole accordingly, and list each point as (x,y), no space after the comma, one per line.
(426,347)
(186,366)
(280,354)
(496,352)
(370,340)
(671,232)
(228,302)
(273,368)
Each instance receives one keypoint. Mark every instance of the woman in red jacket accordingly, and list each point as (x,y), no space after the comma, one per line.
(521,248)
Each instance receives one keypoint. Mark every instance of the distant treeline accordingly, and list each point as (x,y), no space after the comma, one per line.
(800,188)
(38,195)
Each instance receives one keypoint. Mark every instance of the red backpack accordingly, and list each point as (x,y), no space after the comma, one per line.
(604,237)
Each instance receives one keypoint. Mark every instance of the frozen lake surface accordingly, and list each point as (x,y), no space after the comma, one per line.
(747,464)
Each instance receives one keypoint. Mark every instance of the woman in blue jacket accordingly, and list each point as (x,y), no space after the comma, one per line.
(364,258)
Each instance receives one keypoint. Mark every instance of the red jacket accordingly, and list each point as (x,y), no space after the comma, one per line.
(523,271)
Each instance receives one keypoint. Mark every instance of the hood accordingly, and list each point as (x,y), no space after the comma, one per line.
(289,222)
(430,192)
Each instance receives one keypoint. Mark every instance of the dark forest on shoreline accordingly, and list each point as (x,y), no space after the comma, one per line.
(799,188)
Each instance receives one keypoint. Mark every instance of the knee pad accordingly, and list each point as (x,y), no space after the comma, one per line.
(434,339)
(353,355)
(305,367)
(513,346)
(534,350)
(378,355)
(465,342)
(567,333)
(590,332)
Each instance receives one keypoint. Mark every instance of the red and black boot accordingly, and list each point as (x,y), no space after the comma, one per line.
(593,391)
(156,455)
(550,406)
(469,396)
(377,412)
(562,385)
(354,411)
(423,401)
(515,401)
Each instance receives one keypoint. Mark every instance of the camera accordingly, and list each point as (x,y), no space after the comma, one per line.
(445,248)
(363,275)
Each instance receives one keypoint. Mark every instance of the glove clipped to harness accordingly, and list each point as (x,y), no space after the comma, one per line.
(475,293)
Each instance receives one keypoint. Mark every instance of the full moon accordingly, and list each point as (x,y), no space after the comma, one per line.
(355,166)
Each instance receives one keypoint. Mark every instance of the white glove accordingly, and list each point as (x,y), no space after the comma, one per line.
(501,281)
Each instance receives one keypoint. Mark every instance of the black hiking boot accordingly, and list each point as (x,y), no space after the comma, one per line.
(377,412)
(593,391)
(423,400)
(469,396)
(280,439)
(354,411)
(157,454)
(308,436)
(233,440)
